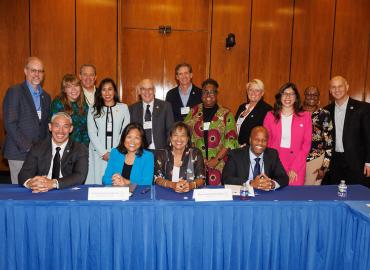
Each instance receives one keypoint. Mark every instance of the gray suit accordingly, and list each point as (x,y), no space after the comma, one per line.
(162,120)
(21,122)
(74,163)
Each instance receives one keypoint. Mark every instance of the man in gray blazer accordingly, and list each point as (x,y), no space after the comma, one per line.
(155,115)
(26,110)
(55,163)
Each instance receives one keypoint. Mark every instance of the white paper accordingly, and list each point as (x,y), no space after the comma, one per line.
(206,125)
(108,193)
(147,125)
(235,189)
(185,110)
(214,194)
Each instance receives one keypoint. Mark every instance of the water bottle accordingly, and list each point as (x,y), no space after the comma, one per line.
(244,192)
(342,189)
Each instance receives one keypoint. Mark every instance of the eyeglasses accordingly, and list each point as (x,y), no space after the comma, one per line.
(209,92)
(34,71)
(288,94)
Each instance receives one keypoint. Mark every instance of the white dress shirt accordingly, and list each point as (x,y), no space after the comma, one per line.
(339,116)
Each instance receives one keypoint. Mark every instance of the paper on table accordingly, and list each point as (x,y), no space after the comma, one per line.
(108,194)
(235,189)
(217,194)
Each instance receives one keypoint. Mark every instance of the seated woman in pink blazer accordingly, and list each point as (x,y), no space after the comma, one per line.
(290,132)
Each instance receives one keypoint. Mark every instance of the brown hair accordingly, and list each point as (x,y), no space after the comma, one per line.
(71,79)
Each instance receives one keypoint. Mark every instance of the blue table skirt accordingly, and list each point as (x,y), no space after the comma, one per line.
(146,234)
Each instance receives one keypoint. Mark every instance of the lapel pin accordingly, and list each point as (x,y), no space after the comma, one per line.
(252,115)
(351,107)
(157,107)
(301,125)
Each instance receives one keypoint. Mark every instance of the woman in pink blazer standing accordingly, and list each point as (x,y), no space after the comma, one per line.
(290,132)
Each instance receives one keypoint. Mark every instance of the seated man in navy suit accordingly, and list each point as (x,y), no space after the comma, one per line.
(56,162)
(255,163)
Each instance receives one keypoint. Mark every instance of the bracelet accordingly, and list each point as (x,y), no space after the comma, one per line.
(195,185)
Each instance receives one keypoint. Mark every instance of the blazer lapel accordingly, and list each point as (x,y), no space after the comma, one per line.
(349,112)
(266,163)
(29,99)
(140,112)
(45,161)
(67,152)
(246,162)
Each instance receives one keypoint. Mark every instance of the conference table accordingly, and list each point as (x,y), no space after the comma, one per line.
(307,227)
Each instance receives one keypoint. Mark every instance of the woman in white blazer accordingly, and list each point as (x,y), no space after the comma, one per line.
(105,122)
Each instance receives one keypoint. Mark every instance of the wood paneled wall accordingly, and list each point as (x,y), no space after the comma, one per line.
(303,41)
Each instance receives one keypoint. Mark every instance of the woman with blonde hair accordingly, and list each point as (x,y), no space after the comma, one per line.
(251,113)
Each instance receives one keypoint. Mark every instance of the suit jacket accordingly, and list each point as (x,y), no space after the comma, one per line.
(173,97)
(254,118)
(236,170)
(21,122)
(73,165)
(300,145)
(356,135)
(142,170)
(162,120)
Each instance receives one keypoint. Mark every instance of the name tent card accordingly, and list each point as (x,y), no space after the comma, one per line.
(108,194)
(212,194)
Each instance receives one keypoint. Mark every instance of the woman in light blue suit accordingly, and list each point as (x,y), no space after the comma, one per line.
(130,162)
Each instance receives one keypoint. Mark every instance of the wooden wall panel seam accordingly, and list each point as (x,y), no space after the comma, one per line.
(333,37)
(291,44)
(250,41)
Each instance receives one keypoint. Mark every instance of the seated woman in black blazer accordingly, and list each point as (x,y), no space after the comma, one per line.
(179,166)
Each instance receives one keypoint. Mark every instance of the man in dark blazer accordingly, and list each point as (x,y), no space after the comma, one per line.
(257,164)
(185,95)
(55,162)
(26,110)
(155,115)
(351,120)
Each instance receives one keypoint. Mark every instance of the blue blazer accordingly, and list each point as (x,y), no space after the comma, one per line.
(142,171)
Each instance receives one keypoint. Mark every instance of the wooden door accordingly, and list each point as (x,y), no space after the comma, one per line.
(146,53)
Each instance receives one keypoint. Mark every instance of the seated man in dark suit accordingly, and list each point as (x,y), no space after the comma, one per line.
(256,163)
(55,163)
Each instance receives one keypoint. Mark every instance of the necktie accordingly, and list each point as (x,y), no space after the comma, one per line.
(148,118)
(257,168)
(56,164)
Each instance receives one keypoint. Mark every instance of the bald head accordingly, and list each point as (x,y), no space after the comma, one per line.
(146,90)
(258,140)
(338,88)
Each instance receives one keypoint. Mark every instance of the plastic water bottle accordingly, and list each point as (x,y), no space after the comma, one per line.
(244,192)
(342,189)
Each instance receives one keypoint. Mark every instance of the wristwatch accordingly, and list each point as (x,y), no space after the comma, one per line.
(55,184)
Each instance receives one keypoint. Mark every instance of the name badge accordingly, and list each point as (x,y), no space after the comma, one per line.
(109,126)
(39,114)
(185,110)
(206,125)
(148,125)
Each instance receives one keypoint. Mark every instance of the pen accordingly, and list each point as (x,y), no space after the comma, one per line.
(145,190)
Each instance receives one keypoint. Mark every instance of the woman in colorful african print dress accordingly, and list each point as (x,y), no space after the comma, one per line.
(72,101)
(214,131)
